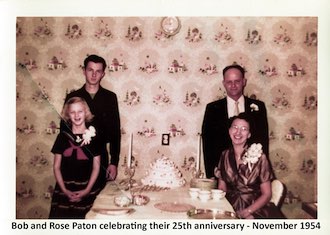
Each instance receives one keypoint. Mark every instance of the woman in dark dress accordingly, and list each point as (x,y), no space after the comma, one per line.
(76,164)
(245,174)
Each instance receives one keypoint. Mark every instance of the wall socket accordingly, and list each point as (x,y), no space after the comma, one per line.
(165,139)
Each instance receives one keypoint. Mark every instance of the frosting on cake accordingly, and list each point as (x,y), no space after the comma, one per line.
(163,173)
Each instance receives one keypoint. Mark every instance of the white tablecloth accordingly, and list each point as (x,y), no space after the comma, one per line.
(105,200)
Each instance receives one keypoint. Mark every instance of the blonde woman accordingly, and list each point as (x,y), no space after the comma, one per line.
(76,163)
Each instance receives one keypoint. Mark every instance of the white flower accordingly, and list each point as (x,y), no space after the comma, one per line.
(252,155)
(87,136)
(254,107)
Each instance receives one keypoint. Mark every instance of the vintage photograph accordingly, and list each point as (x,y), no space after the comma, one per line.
(172,117)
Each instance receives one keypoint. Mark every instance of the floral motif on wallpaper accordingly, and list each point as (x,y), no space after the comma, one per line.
(132,98)
(193,35)
(102,31)
(268,70)
(279,164)
(282,38)
(29,64)
(39,160)
(175,131)
(134,34)
(24,190)
(41,94)
(253,37)
(147,131)
(73,31)
(176,67)
(208,68)
(192,99)
(291,198)
(294,134)
(311,39)
(149,67)
(310,102)
(223,36)
(161,98)
(280,101)
(296,71)
(55,63)
(117,66)
(308,166)
(52,128)
(25,127)
(43,30)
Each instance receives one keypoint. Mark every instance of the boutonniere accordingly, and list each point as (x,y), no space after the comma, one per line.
(87,136)
(252,155)
(254,107)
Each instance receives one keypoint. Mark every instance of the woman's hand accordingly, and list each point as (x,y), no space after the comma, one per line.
(245,214)
(77,196)
(71,195)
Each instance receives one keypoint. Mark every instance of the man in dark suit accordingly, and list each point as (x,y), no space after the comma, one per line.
(215,126)
(104,106)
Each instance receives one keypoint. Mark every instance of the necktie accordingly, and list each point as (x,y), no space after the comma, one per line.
(236,110)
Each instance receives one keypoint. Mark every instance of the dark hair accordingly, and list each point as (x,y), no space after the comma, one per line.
(95,59)
(247,117)
(234,66)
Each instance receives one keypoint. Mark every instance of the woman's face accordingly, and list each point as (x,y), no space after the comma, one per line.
(77,114)
(239,131)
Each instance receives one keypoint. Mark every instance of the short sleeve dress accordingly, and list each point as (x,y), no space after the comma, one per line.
(76,168)
(243,184)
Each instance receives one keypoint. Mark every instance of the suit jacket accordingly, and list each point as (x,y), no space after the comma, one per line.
(215,127)
(106,120)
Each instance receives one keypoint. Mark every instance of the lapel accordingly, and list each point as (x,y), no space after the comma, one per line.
(247,103)
(221,108)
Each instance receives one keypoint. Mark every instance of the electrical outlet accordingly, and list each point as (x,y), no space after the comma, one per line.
(165,139)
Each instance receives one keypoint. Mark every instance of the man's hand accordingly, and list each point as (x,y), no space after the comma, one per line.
(111,172)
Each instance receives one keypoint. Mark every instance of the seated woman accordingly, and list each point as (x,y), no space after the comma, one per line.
(245,174)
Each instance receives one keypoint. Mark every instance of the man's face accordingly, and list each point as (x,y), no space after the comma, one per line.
(94,73)
(234,83)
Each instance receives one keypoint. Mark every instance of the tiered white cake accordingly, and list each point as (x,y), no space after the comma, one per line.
(164,173)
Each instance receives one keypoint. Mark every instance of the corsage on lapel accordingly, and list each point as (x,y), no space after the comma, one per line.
(254,107)
(252,155)
(87,136)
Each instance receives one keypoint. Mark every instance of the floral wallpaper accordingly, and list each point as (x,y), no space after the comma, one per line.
(164,77)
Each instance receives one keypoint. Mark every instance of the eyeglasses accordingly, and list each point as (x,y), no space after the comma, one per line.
(241,128)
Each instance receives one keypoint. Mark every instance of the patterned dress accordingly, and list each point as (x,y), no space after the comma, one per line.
(76,169)
(243,184)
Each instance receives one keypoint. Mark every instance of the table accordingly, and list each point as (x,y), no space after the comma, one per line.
(105,200)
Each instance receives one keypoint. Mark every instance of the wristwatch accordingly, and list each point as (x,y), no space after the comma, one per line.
(170,25)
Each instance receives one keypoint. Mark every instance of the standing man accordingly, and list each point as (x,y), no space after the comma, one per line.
(104,106)
(215,124)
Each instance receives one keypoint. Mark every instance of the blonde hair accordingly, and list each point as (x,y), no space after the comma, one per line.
(74,100)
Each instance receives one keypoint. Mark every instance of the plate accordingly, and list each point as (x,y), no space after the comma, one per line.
(174,206)
(210,214)
(113,211)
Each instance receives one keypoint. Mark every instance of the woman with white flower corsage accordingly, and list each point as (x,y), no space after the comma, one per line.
(245,174)
(76,163)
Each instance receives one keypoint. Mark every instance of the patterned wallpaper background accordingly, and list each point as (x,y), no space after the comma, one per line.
(163,83)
